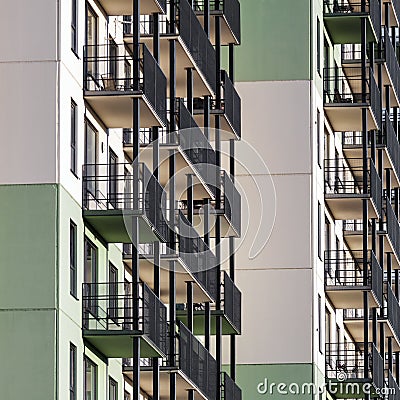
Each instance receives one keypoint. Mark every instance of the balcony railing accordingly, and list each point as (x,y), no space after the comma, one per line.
(229,8)
(347,359)
(392,228)
(230,390)
(346,8)
(195,361)
(108,70)
(396,6)
(231,202)
(344,177)
(392,385)
(393,310)
(392,143)
(110,307)
(346,270)
(342,88)
(232,302)
(107,188)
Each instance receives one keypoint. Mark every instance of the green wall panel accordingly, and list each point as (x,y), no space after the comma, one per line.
(250,376)
(276,40)
(28,246)
(27,353)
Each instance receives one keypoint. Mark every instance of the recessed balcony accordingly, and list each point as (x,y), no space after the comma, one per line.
(193,155)
(112,315)
(231,311)
(109,86)
(193,49)
(229,109)
(110,202)
(392,233)
(353,234)
(344,99)
(229,13)
(342,19)
(386,139)
(125,7)
(346,281)
(194,262)
(346,360)
(194,367)
(345,190)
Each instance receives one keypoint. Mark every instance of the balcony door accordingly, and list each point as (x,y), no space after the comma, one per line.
(113,292)
(91,42)
(91,157)
(90,277)
(112,179)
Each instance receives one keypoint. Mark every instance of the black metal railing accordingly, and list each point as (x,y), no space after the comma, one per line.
(112,307)
(197,256)
(344,7)
(108,69)
(392,385)
(196,362)
(391,60)
(108,187)
(391,142)
(229,389)
(392,228)
(231,202)
(345,87)
(232,302)
(396,7)
(347,360)
(229,8)
(344,269)
(355,226)
(231,103)
(196,147)
(393,310)
(345,177)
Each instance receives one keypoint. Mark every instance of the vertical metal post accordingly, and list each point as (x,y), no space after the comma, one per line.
(190,197)
(189,89)
(232,62)
(390,354)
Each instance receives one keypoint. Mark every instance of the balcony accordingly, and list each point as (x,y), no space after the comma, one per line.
(110,204)
(345,192)
(108,311)
(353,234)
(124,7)
(394,12)
(344,100)
(231,311)
(392,231)
(110,88)
(230,390)
(194,262)
(393,386)
(386,139)
(229,109)
(193,49)
(345,281)
(342,19)
(229,13)
(194,366)
(347,360)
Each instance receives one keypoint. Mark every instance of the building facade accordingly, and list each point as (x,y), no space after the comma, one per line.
(113,235)
(320,104)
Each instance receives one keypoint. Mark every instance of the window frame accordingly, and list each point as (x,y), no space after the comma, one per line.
(112,383)
(73,141)
(72,371)
(73,259)
(88,362)
(74,26)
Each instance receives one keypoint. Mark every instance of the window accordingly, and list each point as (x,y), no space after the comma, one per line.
(91,41)
(127,395)
(72,372)
(90,379)
(127,189)
(318,46)
(113,390)
(320,324)
(90,276)
(328,321)
(73,284)
(327,236)
(91,144)
(113,59)
(74,26)
(112,183)
(319,231)
(113,281)
(319,138)
(74,164)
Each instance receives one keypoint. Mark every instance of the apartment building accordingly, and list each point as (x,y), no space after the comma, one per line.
(117,210)
(320,104)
